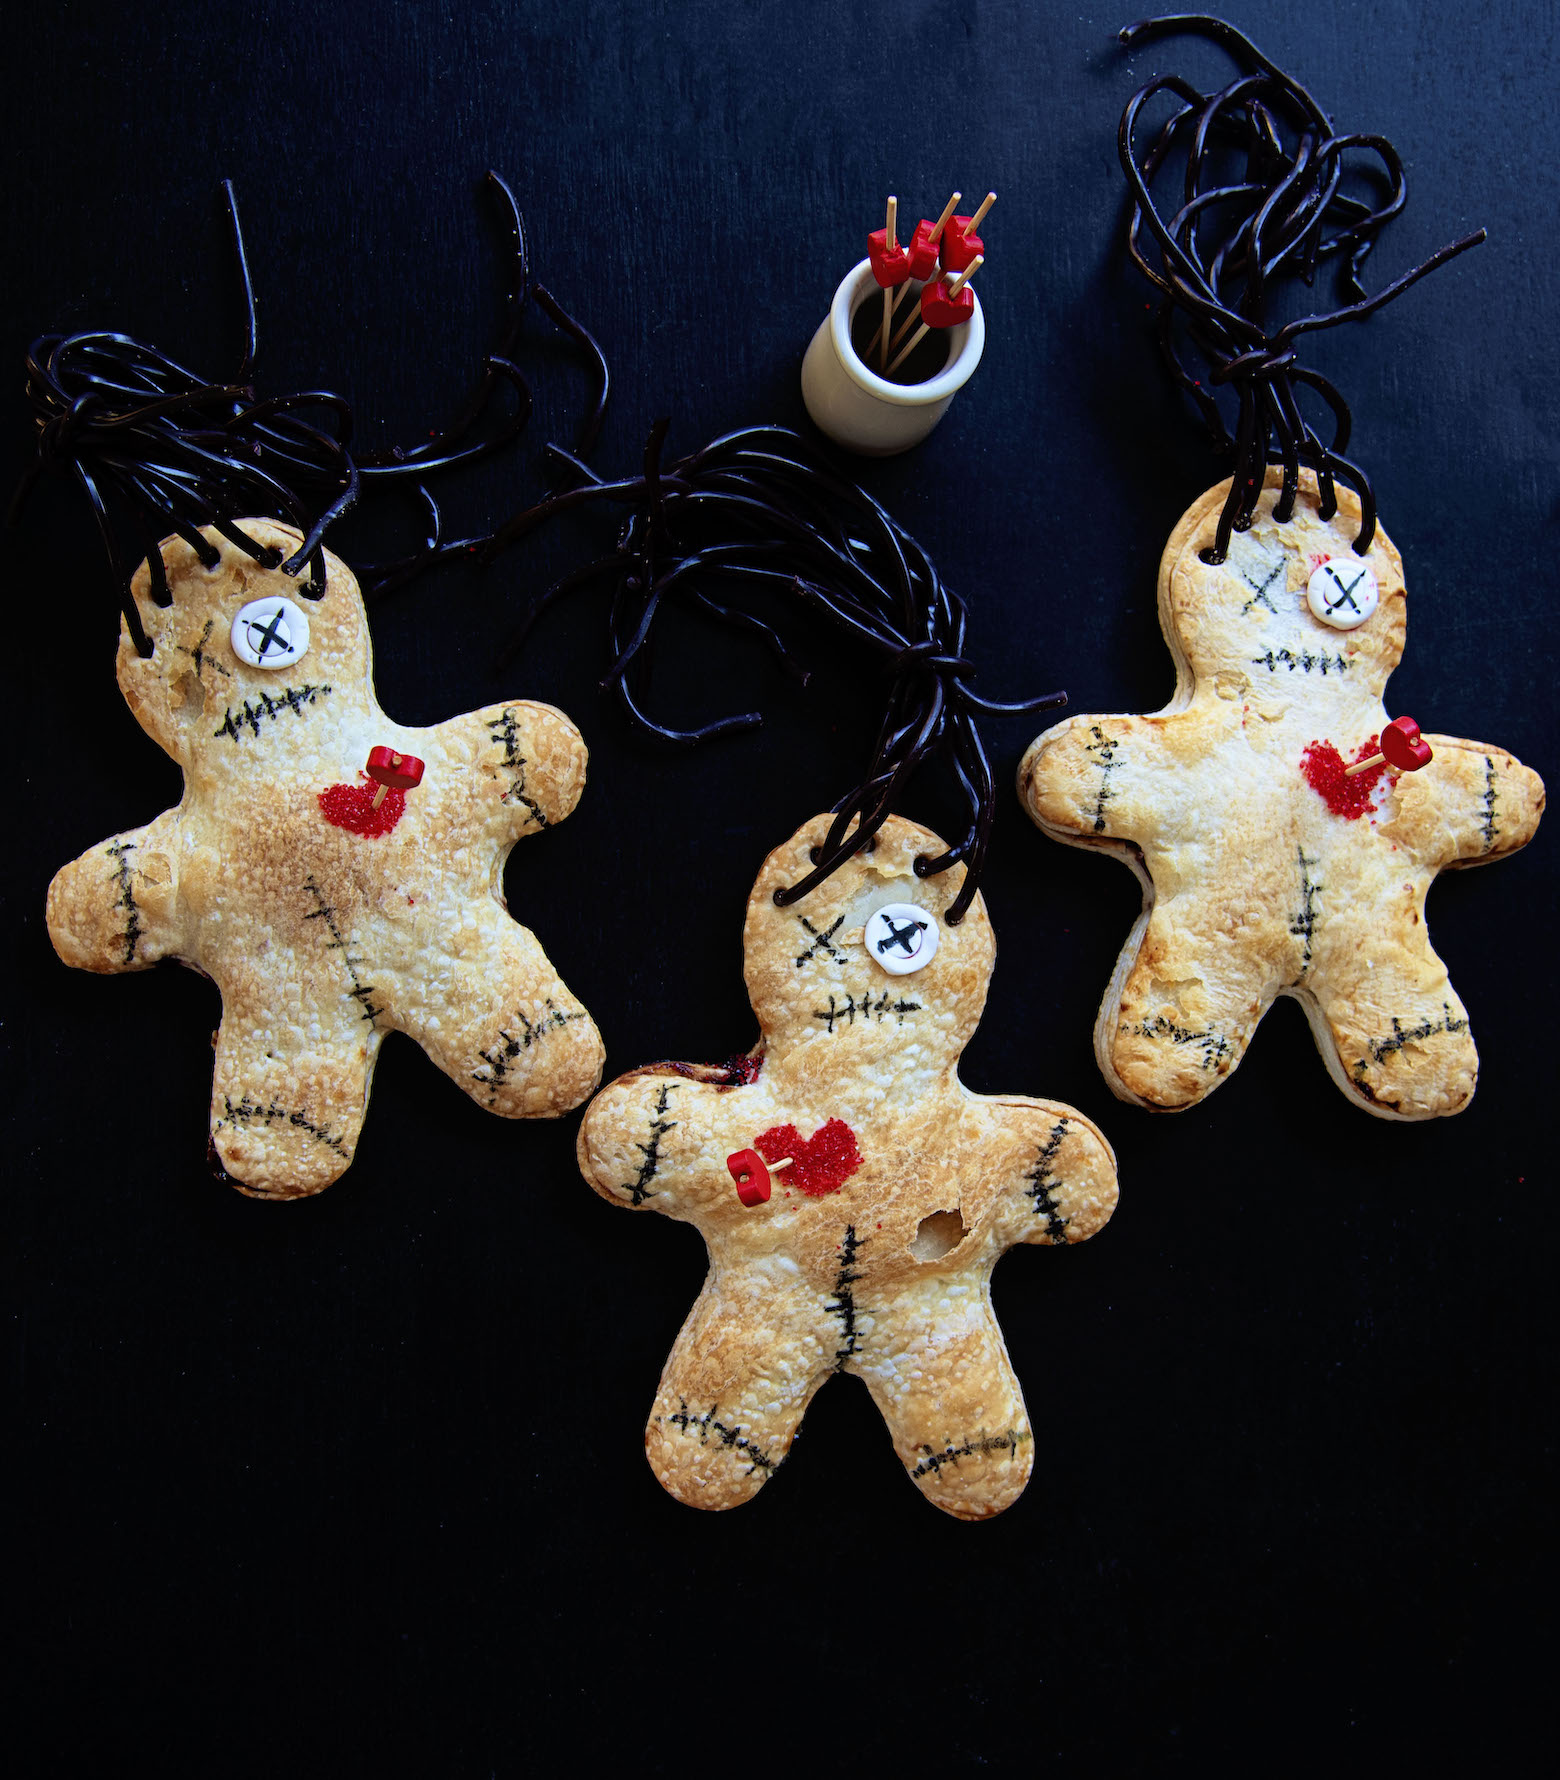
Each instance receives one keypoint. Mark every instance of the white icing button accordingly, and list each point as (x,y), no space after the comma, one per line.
(901,938)
(270,633)
(1342,592)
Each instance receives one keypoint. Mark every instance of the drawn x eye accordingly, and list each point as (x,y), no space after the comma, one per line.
(1342,592)
(270,633)
(901,938)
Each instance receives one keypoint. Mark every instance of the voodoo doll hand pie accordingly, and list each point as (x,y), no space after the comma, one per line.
(853,1194)
(329,904)
(1267,868)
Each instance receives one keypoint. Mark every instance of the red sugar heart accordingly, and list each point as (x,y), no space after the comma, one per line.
(890,265)
(821,1163)
(352,807)
(1323,767)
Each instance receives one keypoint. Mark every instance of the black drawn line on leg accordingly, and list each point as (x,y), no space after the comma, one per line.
(844,1305)
(1382,1048)
(509,1045)
(707,1424)
(639,1189)
(978,1445)
(504,728)
(1104,748)
(1490,830)
(845,1013)
(120,852)
(248,1111)
(1303,925)
(1045,1189)
(290,698)
(362,993)
(1215,1046)
(821,940)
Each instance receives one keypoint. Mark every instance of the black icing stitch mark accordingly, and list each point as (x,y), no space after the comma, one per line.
(1305,661)
(639,1189)
(976,1447)
(1045,1188)
(1259,590)
(1490,830)
(1215,1046)
(1104,748)
(291,698)
(248,1111)
(201,659)
(120,853)
(504,729)
(844,1305)
(361,992)
(821,941)
(706,1424)
(510,1044)
(1382,1048)
(1303,925)
(845,1014)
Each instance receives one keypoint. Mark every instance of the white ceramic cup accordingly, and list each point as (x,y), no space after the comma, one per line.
(862,411)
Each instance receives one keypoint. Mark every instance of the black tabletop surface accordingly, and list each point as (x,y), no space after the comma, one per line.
(357,1485)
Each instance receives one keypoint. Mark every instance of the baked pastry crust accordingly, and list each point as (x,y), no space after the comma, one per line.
(320,939)
(889,1276)
(1252,886)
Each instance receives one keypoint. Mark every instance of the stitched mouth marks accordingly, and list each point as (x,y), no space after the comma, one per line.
(1382,1048)
(821,941)
(292,698)
(1303,926)
(844,1305)
(976,1447)
(1305,661)
(501,1058)
(847,1013)
(362,993)
(706,1424)
(639,1189)
(1045,1188)
(120,853)
(504,729)
(248,1112)
(1104,748)
(1214,1045)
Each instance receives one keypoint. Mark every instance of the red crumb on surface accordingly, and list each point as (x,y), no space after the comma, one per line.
(352,807)
(821,1163)
(1323,767)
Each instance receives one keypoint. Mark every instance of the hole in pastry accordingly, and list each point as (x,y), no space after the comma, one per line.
(191,695)
(938,1235)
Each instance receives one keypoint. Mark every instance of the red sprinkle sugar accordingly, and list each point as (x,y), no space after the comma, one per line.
(352,807)
(821,1163)
(1323,767)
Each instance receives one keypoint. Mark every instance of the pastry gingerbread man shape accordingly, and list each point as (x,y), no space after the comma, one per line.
(324,919)
(873,1252)
(1266,870)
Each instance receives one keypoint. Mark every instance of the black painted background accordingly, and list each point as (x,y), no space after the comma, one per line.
(356,1485)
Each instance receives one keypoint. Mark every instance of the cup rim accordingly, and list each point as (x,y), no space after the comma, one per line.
(968,345)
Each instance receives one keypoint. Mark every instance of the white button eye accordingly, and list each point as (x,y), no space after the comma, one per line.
(1342,592)
(901,938)
(270,633)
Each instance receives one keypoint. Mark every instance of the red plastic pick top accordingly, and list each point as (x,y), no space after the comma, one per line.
(890,265)
(941,310)
(751,1175)
(397,772)
(1404,747)
(923,249)
(958,249)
